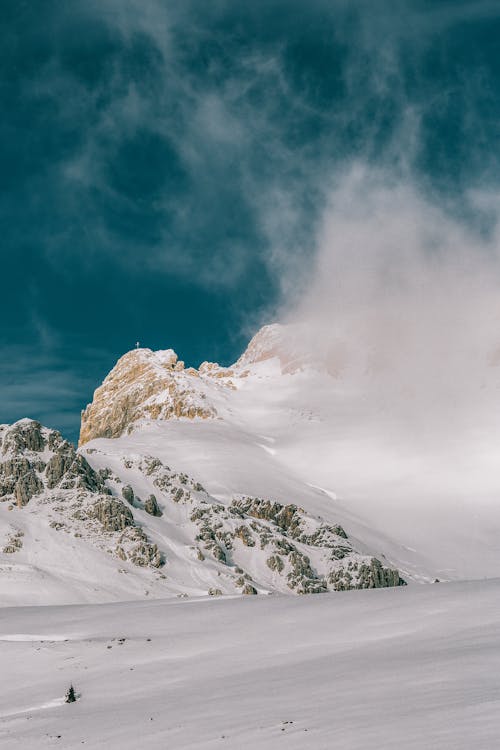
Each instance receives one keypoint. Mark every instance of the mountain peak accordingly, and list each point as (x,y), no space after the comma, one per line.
(144,384)
(285,343)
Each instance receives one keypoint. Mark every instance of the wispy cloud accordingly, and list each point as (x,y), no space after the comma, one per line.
(218,144)
(195,134)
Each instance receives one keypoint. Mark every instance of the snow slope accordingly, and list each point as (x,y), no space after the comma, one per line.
(318,431)
(414,668)
(132,527)
(228,460)
(278,426)
(394,667)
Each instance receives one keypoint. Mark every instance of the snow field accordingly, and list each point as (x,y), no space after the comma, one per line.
(415,667)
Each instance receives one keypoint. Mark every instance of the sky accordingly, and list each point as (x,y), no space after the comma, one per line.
(181,173)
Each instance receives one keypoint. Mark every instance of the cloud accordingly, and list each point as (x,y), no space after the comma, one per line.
(209,144)
(402,306)
(206,137)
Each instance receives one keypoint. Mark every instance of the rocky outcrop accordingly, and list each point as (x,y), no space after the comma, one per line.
(128,494)
(112,514)
(144,385)
(135,546)
(149,385)
(155,385)
(37,466)
(249,546)
(151,506)
(25,435)
(57,467)
(364,575)
(249,590)
(275,563)
(26,487)
(19,480)
(309,556)
(14,543)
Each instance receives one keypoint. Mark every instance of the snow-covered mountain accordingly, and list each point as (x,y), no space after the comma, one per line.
(250,479)
(195,487)
(133,526)
(299,421)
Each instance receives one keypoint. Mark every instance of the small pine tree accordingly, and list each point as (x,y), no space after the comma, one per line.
(70,695)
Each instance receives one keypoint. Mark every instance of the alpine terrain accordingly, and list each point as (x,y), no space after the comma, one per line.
(210,488)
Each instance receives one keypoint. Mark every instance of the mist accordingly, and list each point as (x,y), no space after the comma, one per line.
(402,305)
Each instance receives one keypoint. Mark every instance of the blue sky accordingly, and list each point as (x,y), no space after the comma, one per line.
(165,165)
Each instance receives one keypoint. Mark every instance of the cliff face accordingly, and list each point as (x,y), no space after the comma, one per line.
(43,476)
(147,385)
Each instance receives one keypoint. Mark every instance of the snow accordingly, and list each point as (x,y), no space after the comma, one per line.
(415,667)
(229,460)
(305,438)
(426,500)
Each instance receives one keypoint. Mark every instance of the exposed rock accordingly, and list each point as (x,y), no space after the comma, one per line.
(83,475)
(78,500)
(286,517)
(178,495)
(243,533)
(290,518)
(279,342)
(151,506)
(14,543)
(275,563)
(152,465)
(113,514)
(26,487)
(57,466)
(25,435)
(15,468)
(134,545)
(143,385)
(362,575)
(249,590)
(128,494)
(302,554)
(70,470)
(57,525)
(287,531)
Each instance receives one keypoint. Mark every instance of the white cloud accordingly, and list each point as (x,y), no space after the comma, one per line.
(402,302)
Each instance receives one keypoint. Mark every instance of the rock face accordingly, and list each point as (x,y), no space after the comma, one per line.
(128,494)
(39,467)
(151,506)
(248,546)
(307,556)
(146,385)
(252,544)
(113,514)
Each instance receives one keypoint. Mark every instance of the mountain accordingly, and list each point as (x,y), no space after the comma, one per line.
(300,420)
(219,481)
(193,496)
(74,532)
